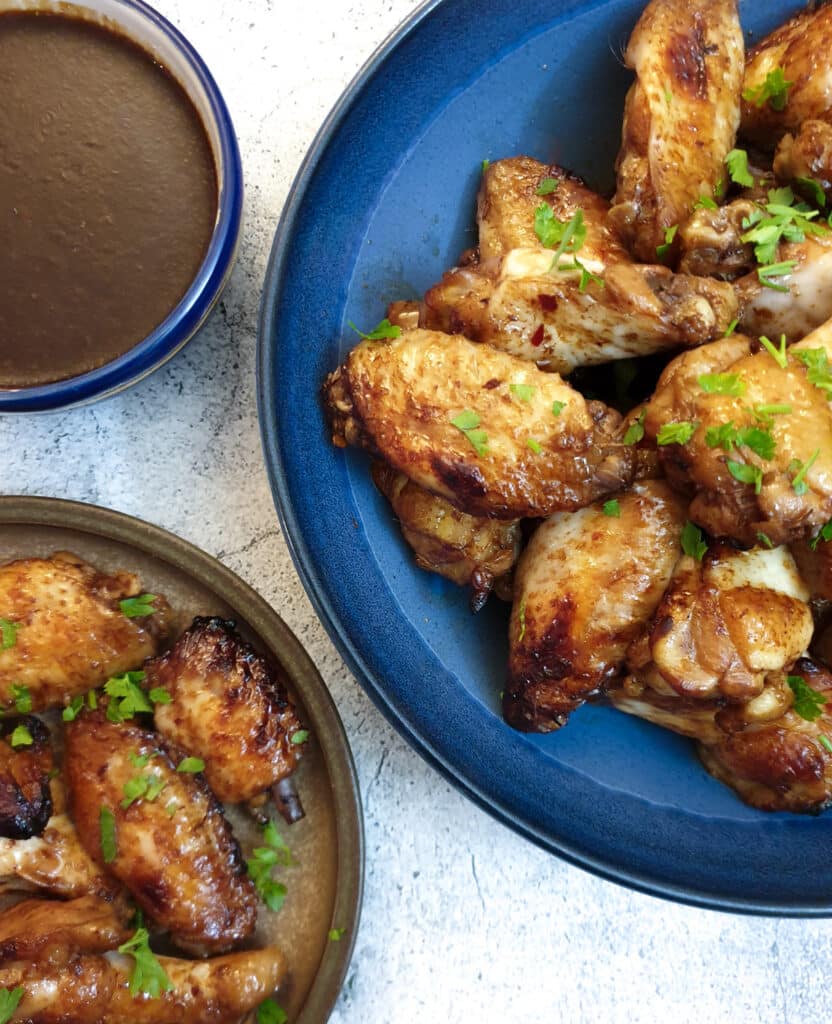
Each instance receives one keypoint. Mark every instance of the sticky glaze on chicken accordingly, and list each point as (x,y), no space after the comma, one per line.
(586,585)
(229,707)
(39,929)
(25,769)
(70,634)
(680,116)
(174,853)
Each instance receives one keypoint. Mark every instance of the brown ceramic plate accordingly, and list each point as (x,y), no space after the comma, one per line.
(325,882)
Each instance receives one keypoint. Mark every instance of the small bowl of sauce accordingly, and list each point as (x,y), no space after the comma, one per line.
(120,198)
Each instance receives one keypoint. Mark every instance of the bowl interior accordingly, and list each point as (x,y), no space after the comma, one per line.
(383,206)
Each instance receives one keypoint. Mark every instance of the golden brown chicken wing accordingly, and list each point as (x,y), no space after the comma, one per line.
(159,831)
(586,585)
(96,989)
(67,630)
(229,707)
(680,116)
(489,432)
(25,769)
(797,53)
(468,550)
(806,155)
(45,929)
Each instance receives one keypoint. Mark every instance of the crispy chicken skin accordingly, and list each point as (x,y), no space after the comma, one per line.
(514,300)
(229,707)
(778,764)
(723,624)
(724,505)
(680,116)
(806,154)
(175,854)
(95,989)
(468,550)
(71,633)
(45,930)
(25,800)
(586,586)
(801,48)
(398,399)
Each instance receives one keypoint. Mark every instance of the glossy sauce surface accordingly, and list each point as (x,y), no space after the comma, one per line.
(108,196)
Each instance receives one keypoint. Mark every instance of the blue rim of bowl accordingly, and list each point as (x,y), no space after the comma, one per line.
(185,319)
(498,805)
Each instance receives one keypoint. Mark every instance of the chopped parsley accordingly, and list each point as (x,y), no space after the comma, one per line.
(557,408)
(780,219)
(126,697)
(799,485)
(136,607)
(191,765)
(568,235)
(729,330)
(301,736)
(142,787)
(705,203)
(779,355)
(824,534)
(159,695)
(21,737)
(107,832)
(468,422)
(721,384)
(808,703)
(336,934)
(825,743)
(270,1013)
(669,235)
(635,431)
(523,392)
(383,329)
(692,542)
(612,508)
(746,474)
(815,190)
(766,274)
(8,634)
(817,366)
(764,539)
(70,712)
(675,433)
(485,165)
(148,976)
(737,164)
(533,445)
(263,859)
(92,699)
(774,91)
(547,187)
(22,698)
(765,413)
(9,1000)
(727,436)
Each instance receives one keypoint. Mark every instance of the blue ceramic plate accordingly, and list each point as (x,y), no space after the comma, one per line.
(383,204)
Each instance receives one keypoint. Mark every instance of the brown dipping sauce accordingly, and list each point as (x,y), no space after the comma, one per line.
(108,196)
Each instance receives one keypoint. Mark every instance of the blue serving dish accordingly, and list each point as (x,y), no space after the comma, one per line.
(383,204)
(145,26)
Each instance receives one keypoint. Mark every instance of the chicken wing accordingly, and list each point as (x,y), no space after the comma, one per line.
(47,930)
(806,155)
(491,433)
(750,436)
(229,707)
(710,241)
(68,631)
(25,769)
(468,550)
(797,53)
(680,116)
(96,989)
(586,585)
(723,624)
(167,842)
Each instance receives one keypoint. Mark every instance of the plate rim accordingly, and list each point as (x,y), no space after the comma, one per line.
(209,572)
(304,561)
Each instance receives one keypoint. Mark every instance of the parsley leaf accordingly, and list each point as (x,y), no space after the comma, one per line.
(485,165)
(107,832)
(824,534)
(148,976)
(612,508)
(669,235)
(764,539)
(676,433)
(721,384)
(737,164)
(572,238)
(383,329)
(774,90)
(263,859)
(523,392)
(557,408)
(808,703)
(705,203)
(765,413)
(692,542)
(336,934)
(21,737)
(729,330)
(301,736)
(136,607)
(9,999)
(781,218)
(825,743)
(799,485)
(468,422)
(191,765)
(817,366)
(270,1013)
(126,696)
(723,436)
(635,431)
(547,187)
(159,695)
(746,474)
(22,698)
(765,274)
(8,634)
(815,190)
(779,355)
(70,713)
(533,445)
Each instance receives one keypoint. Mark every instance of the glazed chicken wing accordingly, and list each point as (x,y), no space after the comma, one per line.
(586,585)
(96,989)
(169,843)
(806,155)
(25,770)
(754,442)
(680,116)
(519,300)
(69,633)
(229,707)
(491,433)
(47,930)
(801,50)
(468,550)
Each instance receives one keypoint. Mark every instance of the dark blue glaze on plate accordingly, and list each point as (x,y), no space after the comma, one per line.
(382,205)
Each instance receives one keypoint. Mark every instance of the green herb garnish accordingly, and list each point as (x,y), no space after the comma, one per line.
(612,508)
(126,697)
(766,274)
(468,422)
(824,534)
(336,934)
(22,699)
(8,633)
(737,164)
(9,1000)
(270,1013)
(764,539)
(533,445)
(557,408)
(675,433)
(21,737)
(191,765)
(669,235)
(136,607)
(70,712)
(635,431)
(808,703)
(721,384)
(692,542)
(263,860)
(746,474)
(107,831)
(383,329)
(523,392)
(774,91)
(547,187)
(799,485)
(148,976)
(779,355)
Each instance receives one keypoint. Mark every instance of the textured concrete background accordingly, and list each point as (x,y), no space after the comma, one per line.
(463,921)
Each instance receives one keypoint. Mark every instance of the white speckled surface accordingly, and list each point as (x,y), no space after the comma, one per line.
(463,921)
